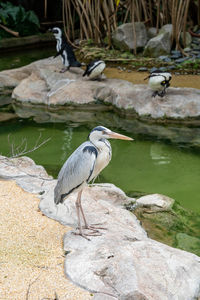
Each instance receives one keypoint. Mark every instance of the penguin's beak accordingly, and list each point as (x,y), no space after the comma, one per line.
(115,135)
(50,30)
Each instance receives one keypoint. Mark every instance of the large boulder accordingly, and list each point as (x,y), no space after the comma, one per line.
(122,263)
(123,37)
(160,44)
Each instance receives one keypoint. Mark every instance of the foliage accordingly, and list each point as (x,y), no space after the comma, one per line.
(17,19)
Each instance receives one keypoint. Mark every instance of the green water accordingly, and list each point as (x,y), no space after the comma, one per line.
(18,58)
(141,165)
(149,166)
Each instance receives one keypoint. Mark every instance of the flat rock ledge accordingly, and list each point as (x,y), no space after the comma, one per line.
(41,84)
(122,263)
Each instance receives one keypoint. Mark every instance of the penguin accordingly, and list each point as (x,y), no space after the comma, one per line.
(158,82)
(65,50)
(95,69)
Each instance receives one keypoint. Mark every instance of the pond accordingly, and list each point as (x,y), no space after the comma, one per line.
(146,165)
(142,165)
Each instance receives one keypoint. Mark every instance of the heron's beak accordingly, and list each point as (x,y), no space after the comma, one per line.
(114,135)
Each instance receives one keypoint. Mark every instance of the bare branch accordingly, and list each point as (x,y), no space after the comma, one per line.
(22,148)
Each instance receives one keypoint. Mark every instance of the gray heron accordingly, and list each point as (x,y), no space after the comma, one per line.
(84,165)
(158,82)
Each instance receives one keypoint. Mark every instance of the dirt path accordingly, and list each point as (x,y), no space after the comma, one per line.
(31,253)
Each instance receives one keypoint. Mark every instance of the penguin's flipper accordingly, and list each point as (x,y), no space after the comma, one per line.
(147,77)
(86,72)
(59,52)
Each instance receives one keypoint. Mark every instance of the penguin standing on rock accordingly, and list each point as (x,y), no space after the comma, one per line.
(65,50)
(95,69)
(158,82)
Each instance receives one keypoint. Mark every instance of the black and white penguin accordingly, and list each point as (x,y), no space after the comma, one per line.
(65,50)
(95,69)
(158,82)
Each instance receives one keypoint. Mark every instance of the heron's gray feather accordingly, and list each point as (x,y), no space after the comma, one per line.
(76,171)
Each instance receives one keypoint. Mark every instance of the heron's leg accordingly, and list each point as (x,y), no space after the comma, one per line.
(83,215)
(78,207)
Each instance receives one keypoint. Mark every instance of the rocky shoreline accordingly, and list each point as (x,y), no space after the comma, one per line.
(123,263)
(40,83)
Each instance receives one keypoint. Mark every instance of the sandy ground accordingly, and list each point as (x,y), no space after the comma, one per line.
(135,77)
(31,253)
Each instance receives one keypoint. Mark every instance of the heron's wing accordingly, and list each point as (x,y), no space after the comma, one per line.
(77,169)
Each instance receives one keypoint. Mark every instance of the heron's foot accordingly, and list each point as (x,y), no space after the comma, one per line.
(81,234)
(86,234)
(95,227)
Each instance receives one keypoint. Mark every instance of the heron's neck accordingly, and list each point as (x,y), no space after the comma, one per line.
(100,144)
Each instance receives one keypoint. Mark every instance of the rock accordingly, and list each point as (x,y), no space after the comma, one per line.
(187,49)
(46,94)
(188,39)
(160,44)
(5,116)
(180,60)
(151,32)
(176,56)
(143,69)
(166,29)
(176,52)
(122,263)
(26,173)
(33,89)
(164,58)
(123,37)
(155,202)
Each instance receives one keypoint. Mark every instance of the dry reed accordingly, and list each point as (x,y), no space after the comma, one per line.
(96,19)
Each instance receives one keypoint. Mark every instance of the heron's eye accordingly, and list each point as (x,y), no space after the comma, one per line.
(164,82)
(103,132)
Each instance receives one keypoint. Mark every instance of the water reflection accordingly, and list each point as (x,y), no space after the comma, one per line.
(67,141)
(159,155)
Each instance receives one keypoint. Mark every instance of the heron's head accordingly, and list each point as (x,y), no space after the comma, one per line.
(56,31)
(101,132)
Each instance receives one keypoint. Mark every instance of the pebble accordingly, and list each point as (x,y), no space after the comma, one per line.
(175,56)
(196,42)
(180,60)
(163,69)
(172,67)
(153,69)
(142,69)
(176,52)
(187,49)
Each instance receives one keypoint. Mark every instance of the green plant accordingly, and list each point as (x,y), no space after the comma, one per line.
(17,19)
